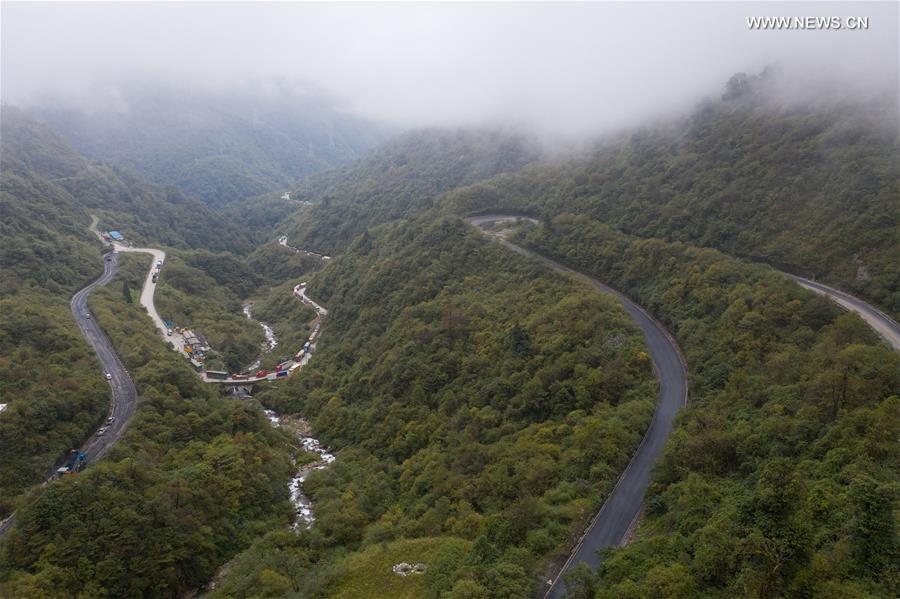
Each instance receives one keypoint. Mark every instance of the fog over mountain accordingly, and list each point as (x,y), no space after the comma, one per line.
(564,69)
(521,300)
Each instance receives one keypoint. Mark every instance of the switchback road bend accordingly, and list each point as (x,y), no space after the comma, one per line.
(609,525)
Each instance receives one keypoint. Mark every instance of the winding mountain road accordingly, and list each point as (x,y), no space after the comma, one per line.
(149,288)
(881,323)
(621,508)
(176,340)
(123,392)
(148,291)
(611,523)
(123,396)
(282,241)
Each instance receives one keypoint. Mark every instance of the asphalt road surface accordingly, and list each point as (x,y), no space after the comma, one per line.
(149,289)
(282,241)
(610,524)
(123,394)
(176,340)
(880,322)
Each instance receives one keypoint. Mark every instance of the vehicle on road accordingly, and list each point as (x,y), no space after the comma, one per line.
(87,314)
(108,376)
(76,462)
(169,332)
(110,419)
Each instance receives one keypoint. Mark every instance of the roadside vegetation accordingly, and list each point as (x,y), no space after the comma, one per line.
(194,480)
(52,386)
(50,381)
(474,398)
(808,185)
(205,292)
(397,181)
(290,319)
(481,407)
(781,476)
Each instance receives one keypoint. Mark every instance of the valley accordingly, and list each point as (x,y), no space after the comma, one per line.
(332,302)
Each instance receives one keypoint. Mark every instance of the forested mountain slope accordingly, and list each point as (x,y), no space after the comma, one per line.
(195,478)
(219,148)
(477,401)
(142,211)
(781,478)
(398,180)
(480,406)
(810,185)
(48,375)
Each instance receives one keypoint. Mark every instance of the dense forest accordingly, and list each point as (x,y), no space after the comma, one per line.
(196,477)
(124,201)
(398,180)
(290,319)
(807,184)
(50,382)
(275,264)
(781,478)
(49,379)
(480,406)
(478,403)
(219,148)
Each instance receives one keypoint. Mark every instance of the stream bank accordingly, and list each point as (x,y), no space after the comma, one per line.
(271,341)
(304,516)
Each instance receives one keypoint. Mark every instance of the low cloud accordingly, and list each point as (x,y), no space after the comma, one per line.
(565,69)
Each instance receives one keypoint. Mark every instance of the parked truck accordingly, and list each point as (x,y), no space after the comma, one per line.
(75,463)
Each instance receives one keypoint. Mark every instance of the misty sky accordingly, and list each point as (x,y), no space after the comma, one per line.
(566,68)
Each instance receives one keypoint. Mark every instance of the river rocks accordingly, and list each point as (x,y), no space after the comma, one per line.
(270,342)
(302,504)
